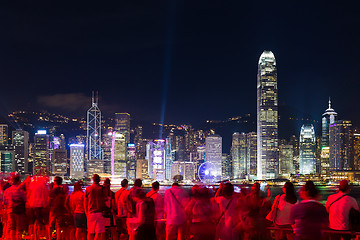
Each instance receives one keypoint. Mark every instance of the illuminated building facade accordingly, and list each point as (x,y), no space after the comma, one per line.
(307,150)
(118,156)
(122,125)
(131,163)
(106,147)
(93,133)
(156,156)
(20,141)
(356,149)
(226,166)
(185,169)
(341,155)
(7,158)
(286,160)
(169,158)
(41,161)
(4,129)
(142,169)
(213,144)
(77,159)
(267,117)
(328,118)
(251,155)
(60,165)
(238,152)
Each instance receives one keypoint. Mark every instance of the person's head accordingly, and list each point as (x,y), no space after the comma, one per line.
(344,186)
(138,182)
(309,190)
(155,186)
(175,184)
(204,193)
(255,189)
(289,190)
(139,194)
(124,183)
(15,179)
(58,180)
(77,186)
(195,190)
(96,178)
(107,183)
(228,190)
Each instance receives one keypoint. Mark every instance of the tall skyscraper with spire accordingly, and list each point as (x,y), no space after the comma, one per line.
(328,118)
(93,132)
(267,117)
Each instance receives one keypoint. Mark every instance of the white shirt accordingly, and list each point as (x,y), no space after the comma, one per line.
(283,211)
(339,211)
(175,214)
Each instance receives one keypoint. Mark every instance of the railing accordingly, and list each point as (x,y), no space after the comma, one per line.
(327,232)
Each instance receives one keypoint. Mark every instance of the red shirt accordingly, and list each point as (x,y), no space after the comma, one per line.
(95,199)
(77,202)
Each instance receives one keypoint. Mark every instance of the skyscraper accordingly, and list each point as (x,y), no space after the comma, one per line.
(267,117)
(60,165)
(77,161)
(213,144)
(122,125)
(41,164)
(238,152)
(93,133)
(251,154)
(286,160)
(341,140)
(20,141)
(118,157)
(7,161)
(328,118)
(4,134)
(156,157)
(307,149)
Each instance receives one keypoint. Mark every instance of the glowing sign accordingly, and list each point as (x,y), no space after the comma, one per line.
(157,160)
(41,132)
(157,153)
(77,145)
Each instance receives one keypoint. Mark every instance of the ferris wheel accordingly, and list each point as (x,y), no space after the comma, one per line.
(206,172)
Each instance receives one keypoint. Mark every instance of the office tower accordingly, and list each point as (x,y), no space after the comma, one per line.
(41,163)
(137,141)
(62,141)
(356,149)
(286,158)
(226,166)
(307,150)
(186,169)
(122,125)
(156,158)
(267,117)
(95,166)
(251,155)
(118,157)
(238,152)
(213,144)
(93,133)
(341,137)
(7,158)
(294,141)
(20,141)
(60,165)
(4,134)
(328,118)
(106,147)
(77,159)
(142,169)
(131,162)
(169,158)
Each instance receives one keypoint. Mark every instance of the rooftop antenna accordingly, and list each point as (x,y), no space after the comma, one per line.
(92,98)
(329,103)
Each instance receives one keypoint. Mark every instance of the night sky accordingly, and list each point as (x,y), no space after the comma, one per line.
(198,57)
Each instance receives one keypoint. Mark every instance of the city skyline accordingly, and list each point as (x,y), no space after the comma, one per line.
(141,57)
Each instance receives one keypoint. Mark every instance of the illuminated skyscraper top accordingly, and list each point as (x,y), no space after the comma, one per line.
(328,118)
(267,117)
(94,131)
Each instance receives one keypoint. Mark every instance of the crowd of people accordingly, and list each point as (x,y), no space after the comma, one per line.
(43,210)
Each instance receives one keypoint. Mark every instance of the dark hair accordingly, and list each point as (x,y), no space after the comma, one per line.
(155,185)
(255,190)
(96,178)
(310,189)
(344,186)
(77,186)
(175,184)
(228,190)
(107,181)
(138,182)
(290,195)
(58,180)
(124,182)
